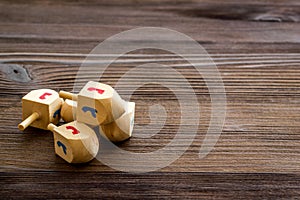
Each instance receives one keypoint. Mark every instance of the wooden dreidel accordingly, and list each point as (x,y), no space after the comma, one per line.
(39,108)
(97,103)
(121,128)
(68,110)
(75,142)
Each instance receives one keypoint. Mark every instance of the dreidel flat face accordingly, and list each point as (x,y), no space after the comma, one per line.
(68,110)
(46,103)
(75,142)
(98,103)
(120,129)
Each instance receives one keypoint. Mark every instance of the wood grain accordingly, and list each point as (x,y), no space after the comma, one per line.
(255,46)
(151,185)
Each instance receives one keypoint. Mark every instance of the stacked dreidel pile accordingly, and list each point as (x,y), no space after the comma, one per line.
(97,106)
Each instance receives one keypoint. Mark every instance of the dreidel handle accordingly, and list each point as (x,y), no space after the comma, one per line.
(29,120)
(68,95)
(51,127)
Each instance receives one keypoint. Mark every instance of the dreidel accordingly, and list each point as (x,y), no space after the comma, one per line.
(68,110)
(75,142)
(97,103)
(120,129)
(39,108)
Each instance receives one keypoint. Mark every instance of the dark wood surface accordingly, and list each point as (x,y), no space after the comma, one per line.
(255,45)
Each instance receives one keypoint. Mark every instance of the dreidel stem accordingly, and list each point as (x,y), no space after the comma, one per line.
(51,127)
(29,120)
(67,95)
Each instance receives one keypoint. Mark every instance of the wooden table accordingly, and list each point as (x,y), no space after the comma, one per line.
(255,46)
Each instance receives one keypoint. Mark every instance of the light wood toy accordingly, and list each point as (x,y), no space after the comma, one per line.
(97,103)
(120,129)
(39,108)
(68,110)
(75,142)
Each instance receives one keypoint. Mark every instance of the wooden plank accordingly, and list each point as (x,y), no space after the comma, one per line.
(260,132)
(151,185)
(73,27)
